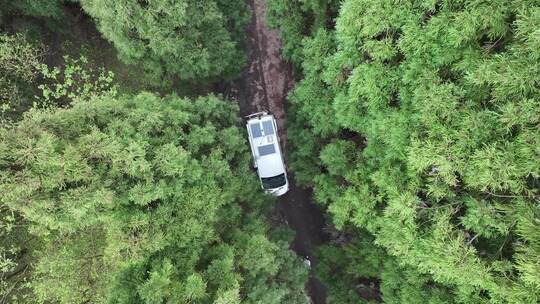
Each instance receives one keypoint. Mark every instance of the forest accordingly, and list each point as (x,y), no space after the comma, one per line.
(126,174)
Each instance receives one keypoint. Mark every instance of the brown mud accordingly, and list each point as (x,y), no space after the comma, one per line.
(264,86)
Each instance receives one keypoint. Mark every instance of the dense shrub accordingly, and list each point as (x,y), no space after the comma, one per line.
(141,199)
(192,40)
(429,112)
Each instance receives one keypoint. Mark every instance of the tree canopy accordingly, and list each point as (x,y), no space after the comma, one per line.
(416,123)
(429,116)
(141,199)
(192,40)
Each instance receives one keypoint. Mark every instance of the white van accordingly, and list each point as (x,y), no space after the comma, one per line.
(264,142)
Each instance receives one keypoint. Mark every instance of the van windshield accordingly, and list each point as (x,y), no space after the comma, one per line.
(274,182)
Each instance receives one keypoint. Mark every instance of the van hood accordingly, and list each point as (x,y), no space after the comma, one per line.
(270,165)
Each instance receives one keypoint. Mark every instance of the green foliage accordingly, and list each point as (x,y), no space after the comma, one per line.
(192,40)
(76,80)
(16,246)
(141,199)
(360,272)
(24,76)
(428,116)
(20,62)
(294,19)
(38,8)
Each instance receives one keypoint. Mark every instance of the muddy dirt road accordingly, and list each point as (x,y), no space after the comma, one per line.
(264,86)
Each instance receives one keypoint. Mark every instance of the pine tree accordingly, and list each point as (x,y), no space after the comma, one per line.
(141,199)
(190,40)
(427,113)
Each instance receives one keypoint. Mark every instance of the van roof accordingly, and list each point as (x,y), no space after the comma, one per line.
(266,145)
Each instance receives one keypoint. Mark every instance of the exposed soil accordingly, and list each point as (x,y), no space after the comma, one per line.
(268,78)
(264,86)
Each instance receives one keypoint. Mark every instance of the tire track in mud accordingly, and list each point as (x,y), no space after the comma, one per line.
(276,74)
(268,78)
(264,85)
